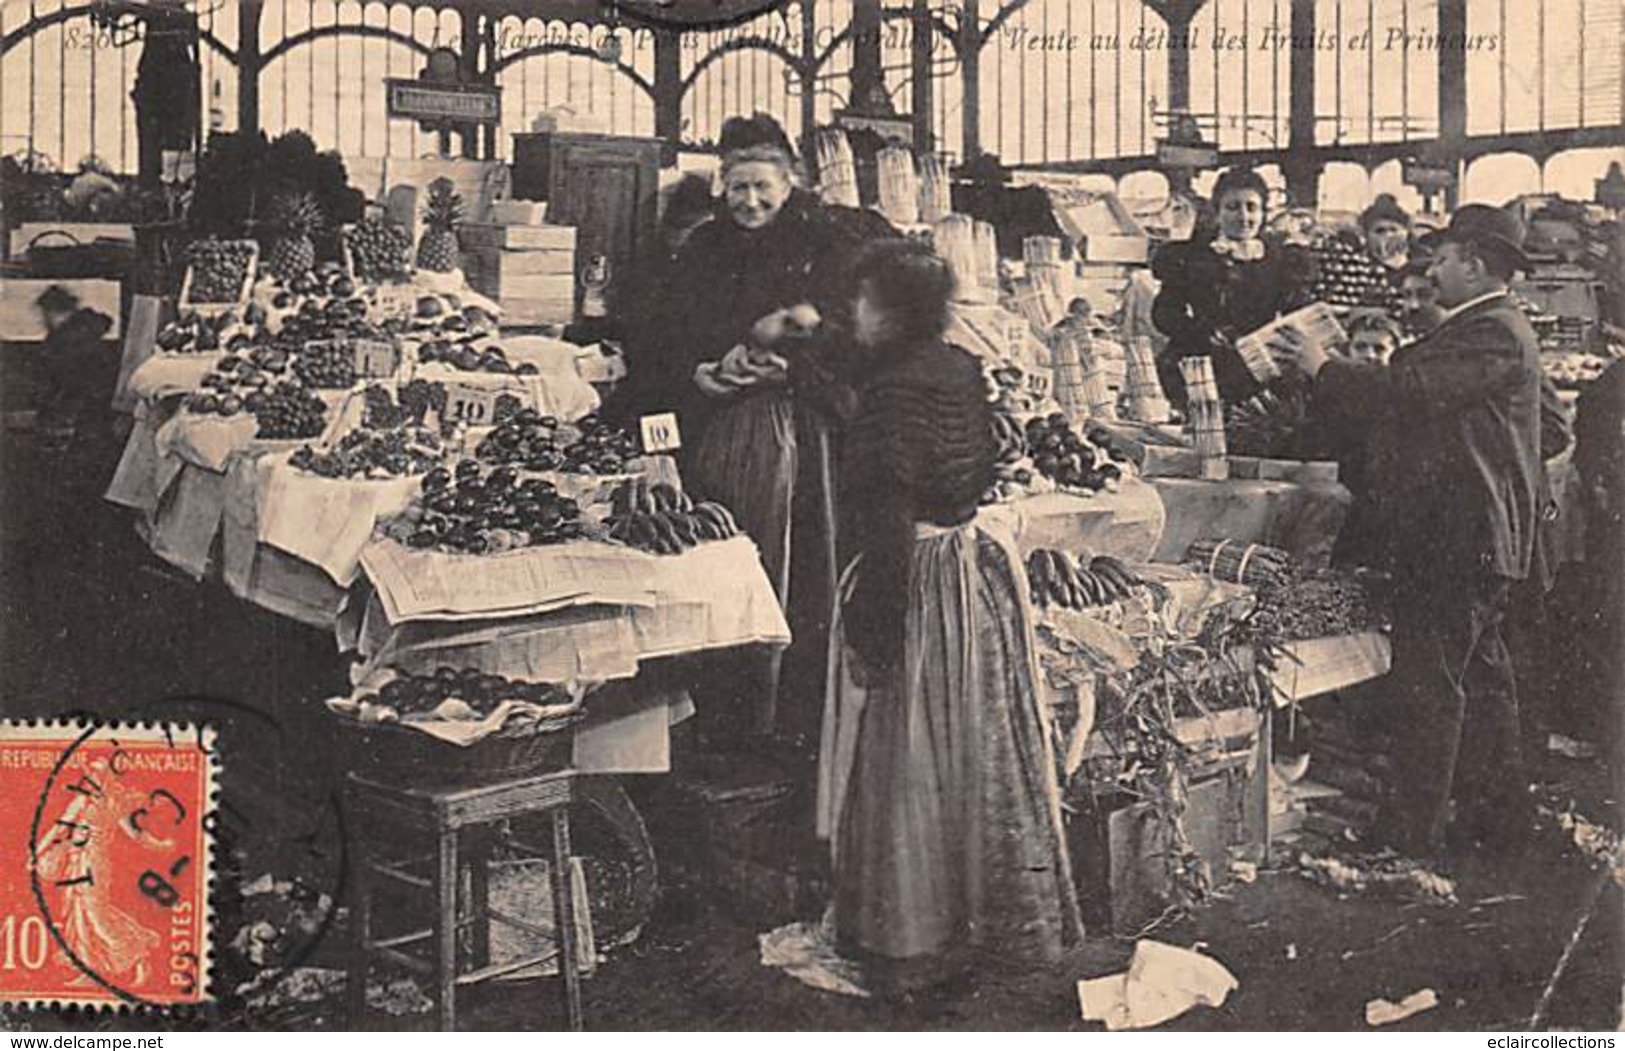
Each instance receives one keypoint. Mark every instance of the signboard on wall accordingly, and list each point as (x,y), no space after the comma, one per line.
(444,103)
(1428,178)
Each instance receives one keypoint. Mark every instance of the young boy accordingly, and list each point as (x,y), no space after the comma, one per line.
(1373,337)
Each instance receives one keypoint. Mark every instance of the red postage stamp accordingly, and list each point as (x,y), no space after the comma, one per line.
(105,864)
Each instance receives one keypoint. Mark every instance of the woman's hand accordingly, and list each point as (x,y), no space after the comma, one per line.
(712,384)
(744,367)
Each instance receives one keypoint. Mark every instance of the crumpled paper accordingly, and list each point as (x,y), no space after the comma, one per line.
(806,952)
(1161,983)
(1385,1012)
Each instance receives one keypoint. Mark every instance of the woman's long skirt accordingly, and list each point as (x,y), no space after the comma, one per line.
(937,784)
(768,461)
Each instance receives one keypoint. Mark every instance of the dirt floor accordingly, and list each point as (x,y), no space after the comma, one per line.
(92,623)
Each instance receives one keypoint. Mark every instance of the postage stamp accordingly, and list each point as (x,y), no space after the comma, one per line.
(105,864)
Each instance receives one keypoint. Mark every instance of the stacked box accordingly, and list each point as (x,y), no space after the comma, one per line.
(528,270)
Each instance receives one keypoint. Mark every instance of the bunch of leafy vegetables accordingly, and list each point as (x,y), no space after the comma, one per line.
(1227,666)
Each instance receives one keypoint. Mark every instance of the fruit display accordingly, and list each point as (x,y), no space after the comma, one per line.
(219,270)
(290,411)
(451,693)
(1066,458)
(663,521)
(326,366)
(379,249)
(541,443)
(1349,277)
(438,250)
(315,320)
(234,385)
(192,333)
(466,358)
(1056,579)
(296,217)
(369,453)
(381,410)
(470,510)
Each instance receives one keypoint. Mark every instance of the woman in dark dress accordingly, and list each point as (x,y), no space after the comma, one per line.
(758,424)
(1223,284)
(936,781)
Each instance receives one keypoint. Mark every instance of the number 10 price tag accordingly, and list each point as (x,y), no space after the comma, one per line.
(660,433)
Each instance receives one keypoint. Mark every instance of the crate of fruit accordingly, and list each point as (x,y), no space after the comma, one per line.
(457,722)
(219,276)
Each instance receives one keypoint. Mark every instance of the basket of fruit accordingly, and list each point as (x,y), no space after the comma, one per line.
(219,275)
(455,723)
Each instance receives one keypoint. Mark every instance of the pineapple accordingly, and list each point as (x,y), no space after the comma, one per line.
(437,249)
(296,218)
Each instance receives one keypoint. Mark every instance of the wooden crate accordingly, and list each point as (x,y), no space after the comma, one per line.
(531,312)
(1116,844)
(474,236)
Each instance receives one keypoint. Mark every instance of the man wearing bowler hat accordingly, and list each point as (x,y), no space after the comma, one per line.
(1454,424)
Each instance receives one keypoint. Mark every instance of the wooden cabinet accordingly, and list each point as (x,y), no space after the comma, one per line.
(607,187)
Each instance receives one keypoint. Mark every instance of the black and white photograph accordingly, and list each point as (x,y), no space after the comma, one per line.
(730,516)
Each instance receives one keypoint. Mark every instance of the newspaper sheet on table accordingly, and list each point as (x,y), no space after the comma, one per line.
(723,600)
(422,584)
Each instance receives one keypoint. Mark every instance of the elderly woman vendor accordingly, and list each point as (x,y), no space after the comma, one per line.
(758,305)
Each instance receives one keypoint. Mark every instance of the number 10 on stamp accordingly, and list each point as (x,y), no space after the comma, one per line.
(105,864)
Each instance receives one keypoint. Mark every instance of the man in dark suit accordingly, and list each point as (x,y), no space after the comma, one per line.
(1454,422)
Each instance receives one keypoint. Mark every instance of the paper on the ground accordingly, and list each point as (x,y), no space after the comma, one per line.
(805,951)
(1385,1012)
(1161,983)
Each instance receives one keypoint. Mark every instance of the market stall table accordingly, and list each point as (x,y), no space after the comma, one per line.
(1300,518)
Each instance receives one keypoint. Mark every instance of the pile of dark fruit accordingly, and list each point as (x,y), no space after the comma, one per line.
(328,279)
(235,384)
(379,249)
(478,512)
(1065,457)
(393,453)
(192,333)
(219,270)
(466,358)
(336,319)
(383,411)
(290,411)
(602,448)
(540,443)
(326,366)
(481,691)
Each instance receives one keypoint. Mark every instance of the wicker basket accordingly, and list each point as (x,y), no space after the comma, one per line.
(400,753)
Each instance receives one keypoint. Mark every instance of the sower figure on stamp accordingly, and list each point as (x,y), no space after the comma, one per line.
(80,848)
(1460,409)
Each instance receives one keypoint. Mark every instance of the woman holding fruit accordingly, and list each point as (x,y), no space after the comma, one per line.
(936,783)
(1223,284)
(756,305)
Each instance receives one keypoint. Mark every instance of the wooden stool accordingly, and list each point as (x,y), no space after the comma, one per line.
(461,821)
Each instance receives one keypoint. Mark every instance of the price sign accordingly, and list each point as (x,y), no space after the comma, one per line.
(375,359)
(475,406)
(397,300)
(660,433)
